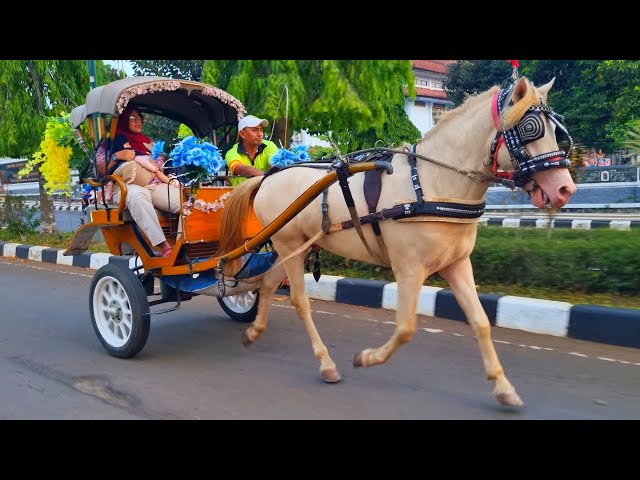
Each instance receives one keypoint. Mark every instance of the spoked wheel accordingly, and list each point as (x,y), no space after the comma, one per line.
(242,307)
(119,311)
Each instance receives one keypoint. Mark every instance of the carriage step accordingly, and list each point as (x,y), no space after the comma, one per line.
(82,239)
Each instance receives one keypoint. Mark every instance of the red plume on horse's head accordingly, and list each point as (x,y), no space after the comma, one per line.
(515,65)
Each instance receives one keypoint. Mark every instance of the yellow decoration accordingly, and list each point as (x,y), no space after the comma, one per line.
(53,156)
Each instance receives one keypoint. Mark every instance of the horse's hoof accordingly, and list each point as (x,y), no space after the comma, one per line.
(330,375)
(509,399)
(358,360)
(246,341)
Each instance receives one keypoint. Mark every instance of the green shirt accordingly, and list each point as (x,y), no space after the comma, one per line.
(237,153)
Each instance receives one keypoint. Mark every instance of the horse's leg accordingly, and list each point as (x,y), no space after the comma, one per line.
(460,278)
(409,284)
(300,301)
(268,285)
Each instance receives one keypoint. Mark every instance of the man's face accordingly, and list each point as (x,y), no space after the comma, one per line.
(252,136)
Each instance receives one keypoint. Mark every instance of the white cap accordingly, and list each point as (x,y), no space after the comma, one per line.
(251,121)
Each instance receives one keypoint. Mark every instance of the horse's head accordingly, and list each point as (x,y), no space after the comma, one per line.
(537,143)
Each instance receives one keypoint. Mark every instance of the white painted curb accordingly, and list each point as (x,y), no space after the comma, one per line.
(548,317)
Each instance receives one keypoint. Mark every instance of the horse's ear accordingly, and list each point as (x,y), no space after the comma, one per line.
(520,90)
(544,89)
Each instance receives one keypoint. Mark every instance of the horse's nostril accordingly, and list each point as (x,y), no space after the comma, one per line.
(567,191)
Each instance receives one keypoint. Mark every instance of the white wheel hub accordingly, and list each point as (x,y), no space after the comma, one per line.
(112,311)
(242,302)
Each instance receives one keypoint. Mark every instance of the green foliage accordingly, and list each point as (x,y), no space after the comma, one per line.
(34,90)
(161,128)
(470,77)
(359,101)
(600,99)
(582,261)
(632,138)
(16,218)
(321,152)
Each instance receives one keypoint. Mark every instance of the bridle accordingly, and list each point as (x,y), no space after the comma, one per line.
(529,129)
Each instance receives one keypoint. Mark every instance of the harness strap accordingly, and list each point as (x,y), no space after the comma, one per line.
(372,188)
(415,179)
(413,209)
(342,172)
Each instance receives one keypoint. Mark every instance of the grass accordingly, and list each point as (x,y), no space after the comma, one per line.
(332,265)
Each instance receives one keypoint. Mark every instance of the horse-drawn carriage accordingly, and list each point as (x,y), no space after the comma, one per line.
(119,298)
(418,221)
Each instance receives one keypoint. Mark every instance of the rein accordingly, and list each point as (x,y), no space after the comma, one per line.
(477,175)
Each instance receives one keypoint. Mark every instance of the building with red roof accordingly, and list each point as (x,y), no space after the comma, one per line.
(431,100)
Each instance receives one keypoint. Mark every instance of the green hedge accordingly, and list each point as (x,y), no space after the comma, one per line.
(589,261)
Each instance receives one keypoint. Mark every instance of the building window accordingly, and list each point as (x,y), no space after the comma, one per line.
(436,85)
(422,82)
(419,103)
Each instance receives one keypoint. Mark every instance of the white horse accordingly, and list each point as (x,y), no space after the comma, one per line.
(466,139)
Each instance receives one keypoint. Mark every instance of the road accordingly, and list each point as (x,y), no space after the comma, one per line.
(194,366)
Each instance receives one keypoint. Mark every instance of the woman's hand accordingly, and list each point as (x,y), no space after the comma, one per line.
(127,155)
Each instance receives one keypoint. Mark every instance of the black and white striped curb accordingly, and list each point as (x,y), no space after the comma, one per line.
(73,208)
(578,223)
(610,325)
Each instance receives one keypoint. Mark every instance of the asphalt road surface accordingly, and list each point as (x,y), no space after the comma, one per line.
(195,367)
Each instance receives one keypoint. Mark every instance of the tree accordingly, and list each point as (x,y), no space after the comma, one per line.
(32,91)
(599,99)
(470,77)
(183,69)
(355,100)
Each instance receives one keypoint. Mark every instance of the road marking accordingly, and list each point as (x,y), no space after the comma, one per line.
(42,268)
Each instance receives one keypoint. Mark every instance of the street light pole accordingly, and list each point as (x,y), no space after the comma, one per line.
(93,83)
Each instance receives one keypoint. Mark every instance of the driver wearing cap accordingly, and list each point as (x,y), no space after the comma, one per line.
(250,156)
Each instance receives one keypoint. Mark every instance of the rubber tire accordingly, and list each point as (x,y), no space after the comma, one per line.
(140,318)
(245,317)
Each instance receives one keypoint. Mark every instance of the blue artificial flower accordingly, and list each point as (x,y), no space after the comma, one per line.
(158,149)
(198,157)
(284,157)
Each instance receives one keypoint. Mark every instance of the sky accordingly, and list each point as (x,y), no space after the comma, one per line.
(120,64)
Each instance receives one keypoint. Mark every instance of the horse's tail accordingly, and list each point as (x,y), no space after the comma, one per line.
(234,219)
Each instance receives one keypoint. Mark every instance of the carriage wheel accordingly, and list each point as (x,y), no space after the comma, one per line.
(119,311)
(242,307)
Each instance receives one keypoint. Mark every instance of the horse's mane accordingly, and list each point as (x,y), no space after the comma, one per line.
(470,102)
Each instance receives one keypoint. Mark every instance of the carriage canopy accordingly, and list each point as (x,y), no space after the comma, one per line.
(200,106)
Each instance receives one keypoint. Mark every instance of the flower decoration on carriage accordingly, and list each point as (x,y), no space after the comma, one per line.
(203,206)
(158,149)
(284,157)
(197,159)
